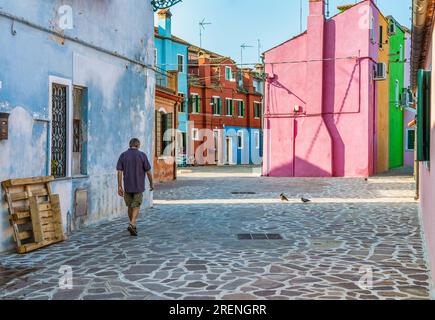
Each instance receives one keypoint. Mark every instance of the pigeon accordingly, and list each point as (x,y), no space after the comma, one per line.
(283,197)
(305,200)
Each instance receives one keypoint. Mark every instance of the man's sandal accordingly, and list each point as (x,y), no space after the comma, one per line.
(133,230)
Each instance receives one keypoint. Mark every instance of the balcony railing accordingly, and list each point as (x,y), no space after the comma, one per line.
(163,4)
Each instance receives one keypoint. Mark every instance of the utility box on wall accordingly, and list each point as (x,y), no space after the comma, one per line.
(4,125)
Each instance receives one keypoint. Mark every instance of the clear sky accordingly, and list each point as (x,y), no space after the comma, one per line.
(237,22)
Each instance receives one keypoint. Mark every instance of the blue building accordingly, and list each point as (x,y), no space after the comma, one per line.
(76,83)
(172,54)
(242,146)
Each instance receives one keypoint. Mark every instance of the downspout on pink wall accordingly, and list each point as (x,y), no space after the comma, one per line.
(322,138)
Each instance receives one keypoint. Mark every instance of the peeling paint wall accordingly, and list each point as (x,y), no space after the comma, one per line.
(120,94)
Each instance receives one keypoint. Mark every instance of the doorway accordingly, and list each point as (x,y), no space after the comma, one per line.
(229,151)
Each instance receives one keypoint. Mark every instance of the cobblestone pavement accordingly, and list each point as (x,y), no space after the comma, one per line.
(188,246)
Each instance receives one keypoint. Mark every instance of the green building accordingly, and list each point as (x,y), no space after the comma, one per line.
(397,74)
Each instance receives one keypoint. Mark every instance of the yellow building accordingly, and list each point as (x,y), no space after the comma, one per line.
(383,96)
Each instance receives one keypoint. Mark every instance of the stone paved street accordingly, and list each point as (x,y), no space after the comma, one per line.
(188,246)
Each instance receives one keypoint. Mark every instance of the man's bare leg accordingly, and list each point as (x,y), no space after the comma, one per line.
(135,214)
(130,214)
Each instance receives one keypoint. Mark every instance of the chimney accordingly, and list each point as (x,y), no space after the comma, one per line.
(315,55)
(204,67)
(248,83)
(165,23)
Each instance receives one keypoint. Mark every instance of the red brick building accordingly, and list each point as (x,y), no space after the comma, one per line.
(223,99)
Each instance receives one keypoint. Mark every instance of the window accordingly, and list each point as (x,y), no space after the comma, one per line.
(240,140)
(217,106)
(381,36)
(257,110)
(195,101)
(229,107)
(397,95)
(59,130)
(241,108)
(372,29)
(79,160)
(410,139)
(401,53)
(180,63)
(229,74)
(163,124)
(195,134)
(257,139)
(182,105)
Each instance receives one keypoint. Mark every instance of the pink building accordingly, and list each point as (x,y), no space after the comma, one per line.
(423,84)
(321,97)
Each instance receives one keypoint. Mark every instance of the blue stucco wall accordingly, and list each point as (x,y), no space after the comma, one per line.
(120,94)
(167,55)
(249,154)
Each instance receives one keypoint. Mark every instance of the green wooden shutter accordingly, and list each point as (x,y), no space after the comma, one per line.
(219,106)
(423,115)
(198,105)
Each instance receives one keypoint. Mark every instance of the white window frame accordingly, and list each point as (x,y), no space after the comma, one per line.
(69,115)
(230,73)
(215,99)
(183,69)
(241,134)
(238,108)
(195,134)
(193,106)
(156,56)
(407,140)
(259,104)
(226,107)
(257,139)
(401,53)
(397,94)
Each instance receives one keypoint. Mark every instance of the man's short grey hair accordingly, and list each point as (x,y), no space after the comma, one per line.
(135,143)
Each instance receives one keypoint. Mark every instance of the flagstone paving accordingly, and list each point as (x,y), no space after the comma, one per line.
(188,246)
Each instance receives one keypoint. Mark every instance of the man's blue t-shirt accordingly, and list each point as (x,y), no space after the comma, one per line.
(135,165)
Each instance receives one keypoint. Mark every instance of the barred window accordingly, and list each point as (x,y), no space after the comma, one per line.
(59,131)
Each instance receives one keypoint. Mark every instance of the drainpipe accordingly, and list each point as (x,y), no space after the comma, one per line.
(419,14)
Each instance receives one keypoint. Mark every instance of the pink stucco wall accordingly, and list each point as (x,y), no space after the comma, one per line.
(427,177)
(333,134)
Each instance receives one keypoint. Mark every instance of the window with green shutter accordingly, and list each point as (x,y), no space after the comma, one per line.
(257,110)
(195,102)
(229,107)
(423,115)
(217,106)
(241,107)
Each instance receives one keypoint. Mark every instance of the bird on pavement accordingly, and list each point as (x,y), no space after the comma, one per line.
(305,200)
(283,197)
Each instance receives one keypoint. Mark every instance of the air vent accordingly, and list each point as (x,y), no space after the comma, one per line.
(380,71)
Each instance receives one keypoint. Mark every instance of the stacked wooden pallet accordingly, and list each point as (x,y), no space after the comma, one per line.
(34,213)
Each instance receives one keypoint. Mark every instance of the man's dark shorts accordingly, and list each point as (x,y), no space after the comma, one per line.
(133,200)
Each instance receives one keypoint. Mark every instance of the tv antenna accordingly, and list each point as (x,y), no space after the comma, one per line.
(243,47)
(259,50)
(202,25)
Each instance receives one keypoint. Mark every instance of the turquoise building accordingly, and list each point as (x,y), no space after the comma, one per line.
(172,54)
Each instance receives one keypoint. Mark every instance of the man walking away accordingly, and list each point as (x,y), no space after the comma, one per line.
(133,166)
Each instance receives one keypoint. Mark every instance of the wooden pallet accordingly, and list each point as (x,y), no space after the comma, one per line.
(34,213)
